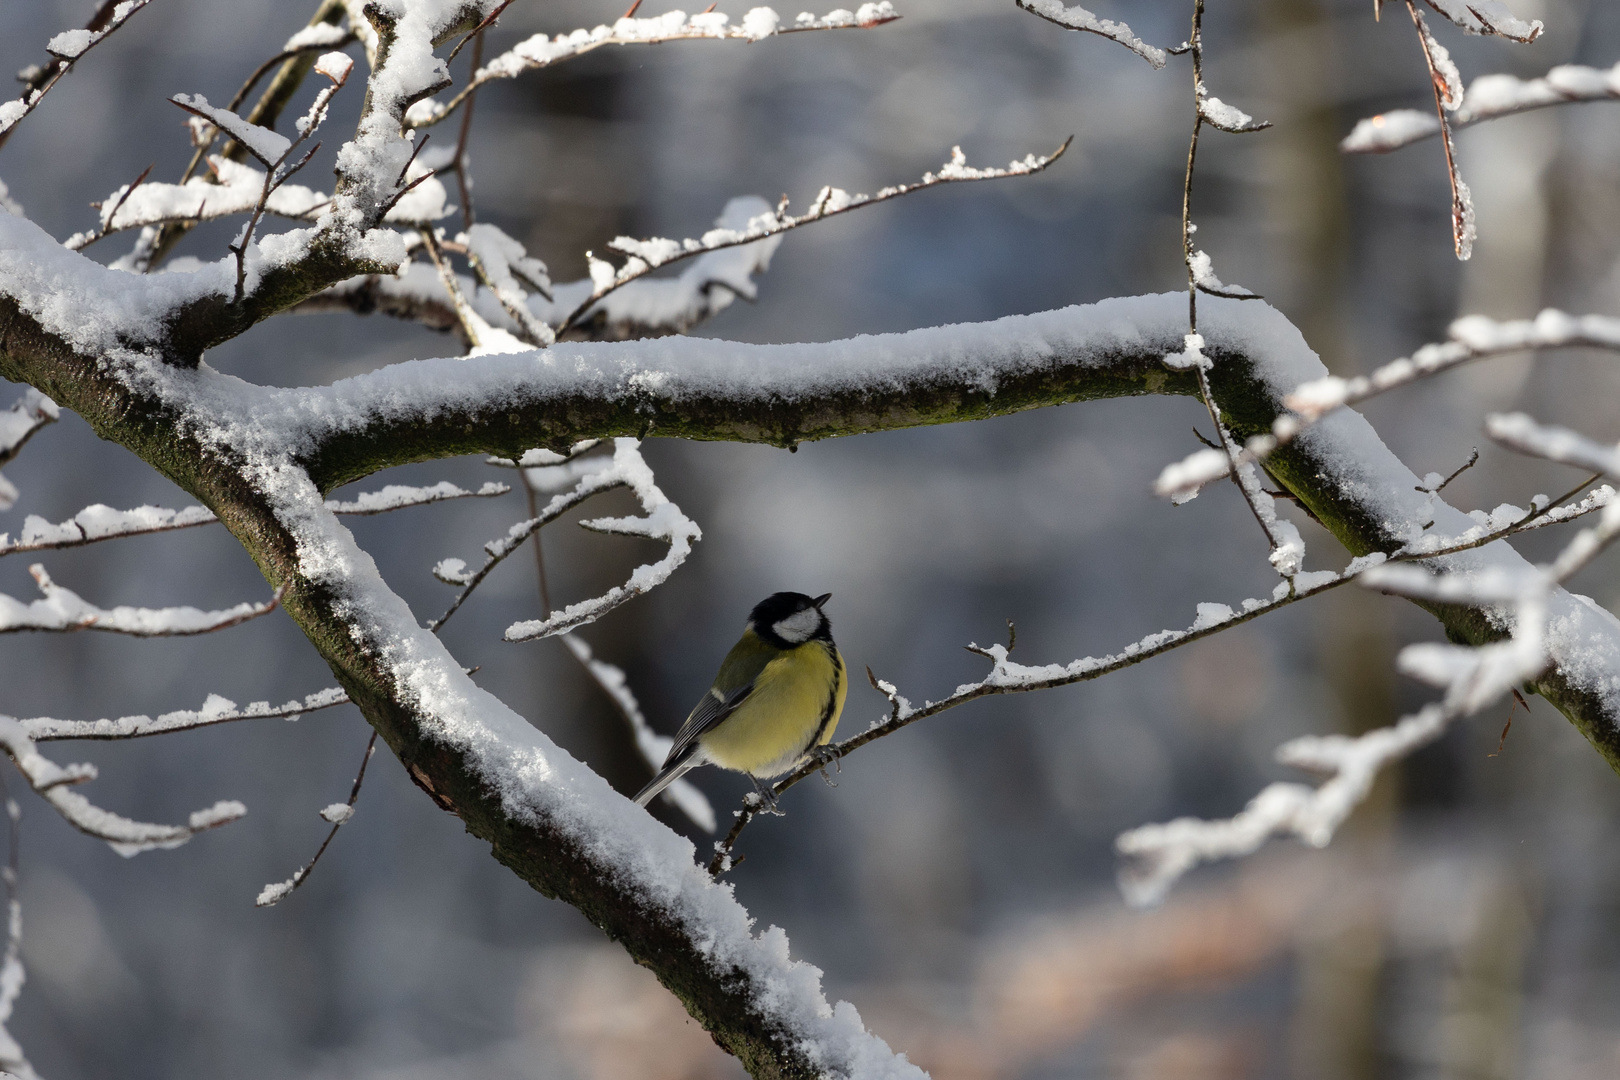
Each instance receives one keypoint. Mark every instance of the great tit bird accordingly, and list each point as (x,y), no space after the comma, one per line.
(776,699)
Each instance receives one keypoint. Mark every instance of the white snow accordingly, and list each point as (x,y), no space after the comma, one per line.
(266,145)
(214,710)
(663,521)
(57,785)
(318,36)
(337,813)
(543,50)
(1078,18)
(1488,17)
(62,609)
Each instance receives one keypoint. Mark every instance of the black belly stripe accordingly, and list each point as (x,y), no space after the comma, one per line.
(832,700)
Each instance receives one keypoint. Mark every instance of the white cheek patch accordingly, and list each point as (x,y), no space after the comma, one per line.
(799,627)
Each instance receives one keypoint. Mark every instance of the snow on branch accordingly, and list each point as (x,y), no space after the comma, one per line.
(214,710)
(1488,17)
(1473,337)
(1488,97)
(645,256)
(66,49)
(1161,854)
(1078,18)
(63,610)
(663,521)
(541,50)
(653,747)
(98,522)
(504,267)
(399,496)
(53,783)
(18,424)
(589,477)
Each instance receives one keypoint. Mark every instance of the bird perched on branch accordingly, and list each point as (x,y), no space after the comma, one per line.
(774,703)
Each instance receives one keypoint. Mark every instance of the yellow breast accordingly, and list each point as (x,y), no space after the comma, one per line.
(795,705)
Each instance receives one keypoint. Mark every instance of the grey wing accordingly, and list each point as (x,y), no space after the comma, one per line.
(709,712)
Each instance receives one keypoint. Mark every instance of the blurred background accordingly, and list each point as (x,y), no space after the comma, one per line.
(957,884)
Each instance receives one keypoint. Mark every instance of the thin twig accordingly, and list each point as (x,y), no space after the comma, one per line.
(466,125)
(640,264)
(274,894)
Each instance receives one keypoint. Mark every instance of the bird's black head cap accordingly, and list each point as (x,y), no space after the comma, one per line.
(787,619)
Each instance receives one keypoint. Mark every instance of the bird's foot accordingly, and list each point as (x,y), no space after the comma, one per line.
(824,755)
(764,799)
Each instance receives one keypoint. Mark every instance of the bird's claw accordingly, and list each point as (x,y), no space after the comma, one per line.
(824,755)
(763,799)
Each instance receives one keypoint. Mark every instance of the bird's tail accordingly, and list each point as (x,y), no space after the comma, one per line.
(671,772)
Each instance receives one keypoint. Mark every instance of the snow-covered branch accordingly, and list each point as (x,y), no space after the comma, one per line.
(645,256)
(1473,337)
(542,50)
(663,521)
(1078,18)
(98,522)
(66,49)
(1488,17)
(214,710)
(589,477)
(63,610)
(54,782)
(1488,97)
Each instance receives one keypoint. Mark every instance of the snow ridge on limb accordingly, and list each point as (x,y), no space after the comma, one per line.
(1078,18)
(63,610)
(125,836)
(1488,97)
(663,521)
(214,710)
(542,50)
(99,522)
(645,256)
(654,748)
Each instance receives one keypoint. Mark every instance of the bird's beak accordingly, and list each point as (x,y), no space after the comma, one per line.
(822,599)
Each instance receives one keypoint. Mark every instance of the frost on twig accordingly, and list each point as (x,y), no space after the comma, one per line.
(53,782)
(663,521)
(399,496)
(645,256)
(654,748)
(542,50)
(1078,18)
(66,48)
(1488,97)
(62,610)
(18,424)
(215,710)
